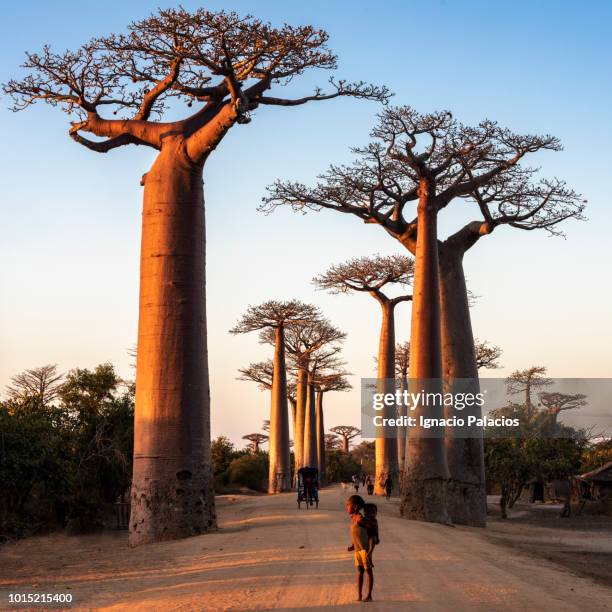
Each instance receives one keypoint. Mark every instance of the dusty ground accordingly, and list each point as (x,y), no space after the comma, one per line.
(270,556)
(582,544)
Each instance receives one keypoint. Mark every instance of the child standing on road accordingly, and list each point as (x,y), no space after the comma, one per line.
(361,544)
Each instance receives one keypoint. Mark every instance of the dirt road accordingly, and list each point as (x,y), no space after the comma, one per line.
(270,556)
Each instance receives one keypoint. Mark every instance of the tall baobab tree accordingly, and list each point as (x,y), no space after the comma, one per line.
(276,317)
(256,439)
(303,342)
(41,384)
(220,66)
(347,433)
(324,383)
(402,364)
(481,164)
(487,355)
(372,275)
(526,382)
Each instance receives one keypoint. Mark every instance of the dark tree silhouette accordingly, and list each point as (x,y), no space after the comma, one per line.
(256,439)
(347,433)
(277,317)
(372,275)
(41,384)
(554,403)
(117,88)
(487,355)
(433,160)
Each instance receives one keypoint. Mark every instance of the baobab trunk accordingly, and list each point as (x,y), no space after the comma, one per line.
(467,501)
(425,483)
(345,443)
(402,411)
(172,488)
(300,416)
(280,467)
(321,440)
(310,457)
(386,447)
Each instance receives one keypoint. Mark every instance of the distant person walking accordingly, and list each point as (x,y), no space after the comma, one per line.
(369,485)
(355,483)
(388,487)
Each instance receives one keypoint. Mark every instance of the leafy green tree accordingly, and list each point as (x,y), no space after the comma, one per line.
(541,449)
(223,452)
(250,470)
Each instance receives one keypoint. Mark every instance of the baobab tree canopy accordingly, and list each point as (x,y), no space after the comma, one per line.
(480,163)
(369,274)
(222,62)
(273,314)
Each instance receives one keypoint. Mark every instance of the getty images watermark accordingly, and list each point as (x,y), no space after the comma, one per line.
(470,408)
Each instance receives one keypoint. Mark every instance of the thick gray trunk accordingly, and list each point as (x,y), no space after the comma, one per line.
(426,480)
(467,494)
(172,488)
(402,433)
(321,440)
(280,467)
(386,447)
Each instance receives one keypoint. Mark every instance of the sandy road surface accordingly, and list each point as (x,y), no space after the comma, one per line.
(270,556)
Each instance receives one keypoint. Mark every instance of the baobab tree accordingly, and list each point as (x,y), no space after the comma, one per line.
(526,382)
(433,160)
(276,317)
(256,439)
(117,88)
(487,355)
(302,343)
(554,403)
(347,433)
(324,383)
(41,384)
(372,275)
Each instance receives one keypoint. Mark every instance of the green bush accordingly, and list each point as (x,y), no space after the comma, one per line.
(250,471)
(63,462)
(341,466)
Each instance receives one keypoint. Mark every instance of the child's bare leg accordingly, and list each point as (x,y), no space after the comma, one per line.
(370,584)
(360,571)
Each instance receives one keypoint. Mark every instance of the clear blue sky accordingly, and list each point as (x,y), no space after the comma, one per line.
(71,217)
